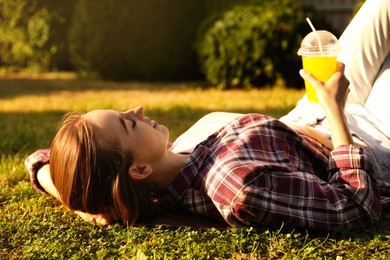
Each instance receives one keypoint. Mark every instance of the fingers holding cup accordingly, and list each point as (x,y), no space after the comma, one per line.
(333,91)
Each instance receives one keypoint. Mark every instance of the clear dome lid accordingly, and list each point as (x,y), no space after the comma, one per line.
(329,45)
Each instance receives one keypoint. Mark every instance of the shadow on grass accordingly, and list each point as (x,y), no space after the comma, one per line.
(13,87)
(24,132)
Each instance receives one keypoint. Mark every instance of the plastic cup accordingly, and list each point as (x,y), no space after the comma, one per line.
(319,51)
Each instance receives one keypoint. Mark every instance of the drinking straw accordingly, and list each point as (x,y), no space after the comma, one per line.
(315,33)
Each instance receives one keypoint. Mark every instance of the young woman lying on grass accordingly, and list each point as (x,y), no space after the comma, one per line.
(255,170)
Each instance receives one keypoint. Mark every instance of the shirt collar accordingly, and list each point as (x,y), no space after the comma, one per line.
(185,179)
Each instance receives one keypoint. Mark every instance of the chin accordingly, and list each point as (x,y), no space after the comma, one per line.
(164,131)
(167,136)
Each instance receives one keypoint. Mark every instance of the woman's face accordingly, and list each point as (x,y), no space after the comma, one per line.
(134,133)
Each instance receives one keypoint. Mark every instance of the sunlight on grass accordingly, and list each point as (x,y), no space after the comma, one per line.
(34,226)
(164,99)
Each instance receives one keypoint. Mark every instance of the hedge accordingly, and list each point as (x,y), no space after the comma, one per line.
(256,44)
(129,39)
(33,34)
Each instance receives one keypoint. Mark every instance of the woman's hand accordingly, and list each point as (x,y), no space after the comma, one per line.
(332,96)
(333,93)
(103,219)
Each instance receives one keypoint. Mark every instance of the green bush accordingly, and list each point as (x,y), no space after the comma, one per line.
(255,44)
(129,39)
(33,34)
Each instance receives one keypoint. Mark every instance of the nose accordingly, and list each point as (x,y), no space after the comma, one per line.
(137,111)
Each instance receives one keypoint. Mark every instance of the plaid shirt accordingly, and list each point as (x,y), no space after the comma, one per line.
(258,171)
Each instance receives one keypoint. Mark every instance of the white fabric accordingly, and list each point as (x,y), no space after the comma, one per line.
(365,51)
(365,44)
(201,130)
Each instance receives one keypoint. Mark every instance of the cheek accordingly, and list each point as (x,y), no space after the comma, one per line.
(151,139)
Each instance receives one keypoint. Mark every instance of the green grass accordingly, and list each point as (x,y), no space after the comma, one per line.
(36,226)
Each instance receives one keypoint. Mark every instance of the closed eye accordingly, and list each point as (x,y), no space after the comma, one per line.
(134,122)
(122,121)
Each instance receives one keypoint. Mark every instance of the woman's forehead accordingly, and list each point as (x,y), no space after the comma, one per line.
(102,118)
(105,124)
(98,114)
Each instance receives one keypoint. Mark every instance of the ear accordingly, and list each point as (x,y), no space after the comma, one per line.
(140,172)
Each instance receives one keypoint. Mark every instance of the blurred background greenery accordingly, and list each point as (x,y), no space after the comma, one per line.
(230,43)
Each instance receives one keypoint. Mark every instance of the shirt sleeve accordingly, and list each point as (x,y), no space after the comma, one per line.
(33,163)
(353,179)
(350,198)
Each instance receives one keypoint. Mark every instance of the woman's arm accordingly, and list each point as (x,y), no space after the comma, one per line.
(45,181)
(332,96)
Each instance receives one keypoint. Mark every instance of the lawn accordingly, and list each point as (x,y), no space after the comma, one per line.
(36,226)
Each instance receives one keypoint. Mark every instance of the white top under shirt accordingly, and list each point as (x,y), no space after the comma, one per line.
(365,128)
(201,130)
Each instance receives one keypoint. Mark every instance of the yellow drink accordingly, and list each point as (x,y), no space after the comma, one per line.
(322,67)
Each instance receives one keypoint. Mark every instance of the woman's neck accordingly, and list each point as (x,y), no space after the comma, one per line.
(166,171)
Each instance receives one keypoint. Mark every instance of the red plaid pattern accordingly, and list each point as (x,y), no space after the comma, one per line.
(258,171)
(33,163)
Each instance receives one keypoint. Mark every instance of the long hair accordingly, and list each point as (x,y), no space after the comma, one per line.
(91,176)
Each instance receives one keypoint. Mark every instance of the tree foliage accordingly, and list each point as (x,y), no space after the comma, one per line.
(252,44)
(128,39)
(256,44)
(33,33)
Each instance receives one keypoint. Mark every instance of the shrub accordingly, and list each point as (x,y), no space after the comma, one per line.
(129,39)
(255,44)
(33,34)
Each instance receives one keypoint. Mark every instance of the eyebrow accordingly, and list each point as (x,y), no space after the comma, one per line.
(122,121)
